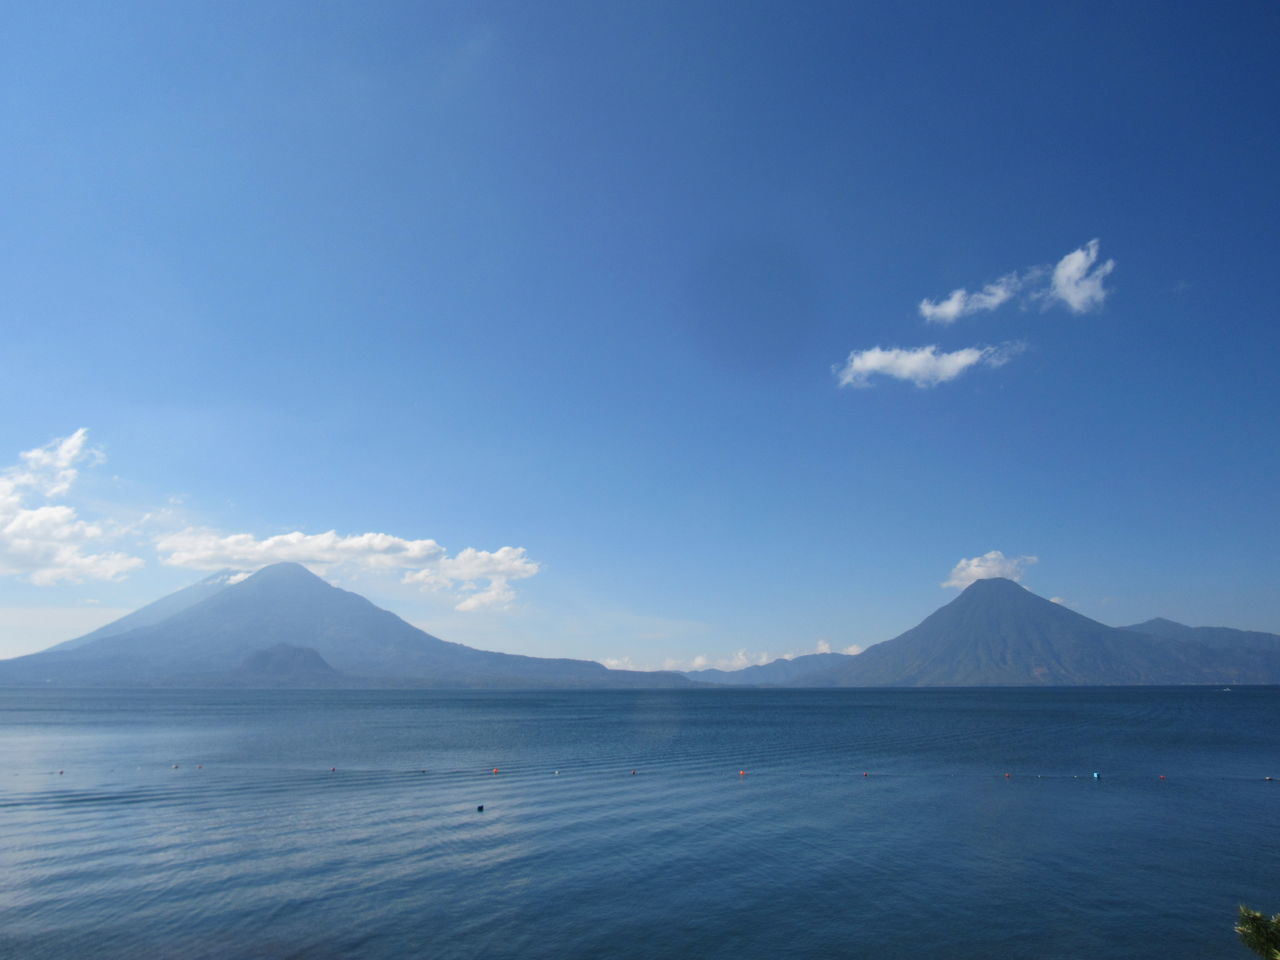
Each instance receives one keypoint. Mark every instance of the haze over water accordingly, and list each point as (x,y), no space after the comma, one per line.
(251,846)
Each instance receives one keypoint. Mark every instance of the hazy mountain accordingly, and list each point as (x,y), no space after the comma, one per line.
(162,609)
(1221,638)
(997,633)
(778,671)
(209,640)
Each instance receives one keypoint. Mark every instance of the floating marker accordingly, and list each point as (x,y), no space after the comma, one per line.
(557,773)
(866,774)
(1162,776)
(742,773)
(1007,775)
(1097,775)
(333,769)
(480,809)
(60,774)
(633,773)
(495,769)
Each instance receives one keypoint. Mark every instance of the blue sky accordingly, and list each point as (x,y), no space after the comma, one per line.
(630,331)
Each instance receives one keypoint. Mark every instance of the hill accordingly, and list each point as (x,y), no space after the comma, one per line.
(1220,638)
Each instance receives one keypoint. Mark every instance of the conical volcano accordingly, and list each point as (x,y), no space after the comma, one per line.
(209,642)
(997,633)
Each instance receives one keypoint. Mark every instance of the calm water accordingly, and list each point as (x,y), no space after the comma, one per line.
(252,847)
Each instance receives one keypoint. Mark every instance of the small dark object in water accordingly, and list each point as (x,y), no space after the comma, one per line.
(480,809)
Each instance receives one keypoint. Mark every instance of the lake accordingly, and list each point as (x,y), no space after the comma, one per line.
(634,824)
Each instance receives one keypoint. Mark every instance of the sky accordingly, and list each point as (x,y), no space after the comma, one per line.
(661,334)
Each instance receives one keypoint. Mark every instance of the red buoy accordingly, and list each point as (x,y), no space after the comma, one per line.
(495,769)
(742,773)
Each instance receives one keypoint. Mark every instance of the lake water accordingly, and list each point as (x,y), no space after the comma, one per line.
(193,824)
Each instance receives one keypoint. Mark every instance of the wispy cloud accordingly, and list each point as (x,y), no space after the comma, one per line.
(961,303)
(49,543)
(992,564)
(479,578)
(923,366)
(1076,281)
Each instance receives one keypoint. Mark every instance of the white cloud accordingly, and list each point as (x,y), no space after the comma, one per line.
(923,366)
(745,658)
(1060,601)
(426,562)
(822,647)
(993,564)
(853,650)
(49,543)
(1074,281)
(51,469)
(1077,282)
(961,303)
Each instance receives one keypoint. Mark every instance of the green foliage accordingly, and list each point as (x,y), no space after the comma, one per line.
(1259,933)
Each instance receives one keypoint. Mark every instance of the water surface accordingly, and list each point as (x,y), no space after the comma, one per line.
(215,824)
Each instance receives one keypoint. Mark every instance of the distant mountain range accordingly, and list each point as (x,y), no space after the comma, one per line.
(997,633)
(285,627)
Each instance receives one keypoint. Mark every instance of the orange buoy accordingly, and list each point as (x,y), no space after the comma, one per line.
(742,773)
(495,769)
